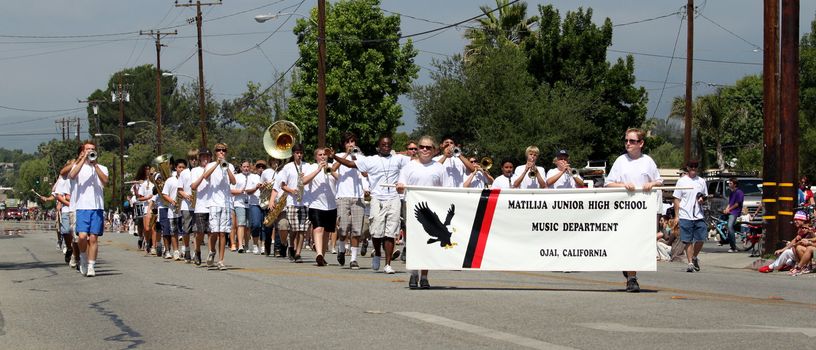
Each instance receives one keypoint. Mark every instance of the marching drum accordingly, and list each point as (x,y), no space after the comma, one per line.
(139,209)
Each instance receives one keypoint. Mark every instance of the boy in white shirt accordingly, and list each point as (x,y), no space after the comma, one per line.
(220,177)
(88,200)
(529,175)
(201,210)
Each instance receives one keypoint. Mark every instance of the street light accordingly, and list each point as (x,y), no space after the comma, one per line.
(140,121)
(321,63)
(264,18)
(169,74)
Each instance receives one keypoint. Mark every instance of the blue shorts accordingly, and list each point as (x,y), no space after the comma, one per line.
(90,221)
(164,221)
(241,216)
(693,231)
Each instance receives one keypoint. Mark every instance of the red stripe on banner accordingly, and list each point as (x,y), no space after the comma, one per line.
(486,223)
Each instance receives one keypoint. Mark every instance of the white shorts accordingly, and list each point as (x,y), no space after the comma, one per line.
(220,220)
(385,218)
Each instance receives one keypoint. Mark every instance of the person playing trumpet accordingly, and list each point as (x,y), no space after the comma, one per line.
(479,178)
(454,161)
(529,175)
(88,200)
(563,175)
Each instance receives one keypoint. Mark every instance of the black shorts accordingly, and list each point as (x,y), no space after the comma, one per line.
(326,219)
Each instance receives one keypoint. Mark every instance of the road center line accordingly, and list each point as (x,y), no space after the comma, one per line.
(481,331)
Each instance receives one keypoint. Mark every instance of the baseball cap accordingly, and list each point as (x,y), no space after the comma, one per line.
(204,150)
(800,215)
(562,153)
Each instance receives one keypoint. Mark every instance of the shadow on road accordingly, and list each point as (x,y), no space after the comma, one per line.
(128,335)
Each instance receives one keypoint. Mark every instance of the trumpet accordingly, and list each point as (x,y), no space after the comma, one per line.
(355,151)
(456,152)
(224,164)
(486,163)
(532,173)
(327,170)
(92,155)
(573,172)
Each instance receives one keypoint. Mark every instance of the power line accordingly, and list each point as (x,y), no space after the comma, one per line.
(31,134)
(41,110)
(682,58)
(262,41)
(676,39)
(755,46)
(647,19)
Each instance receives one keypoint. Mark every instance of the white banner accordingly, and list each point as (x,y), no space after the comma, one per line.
(600,229)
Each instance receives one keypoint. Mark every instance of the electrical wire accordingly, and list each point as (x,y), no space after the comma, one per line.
(682,58)
(41,110)
(647,19)
(676,40)
(755,46)
(262,41)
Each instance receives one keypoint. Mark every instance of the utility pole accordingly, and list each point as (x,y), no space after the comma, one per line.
(158,35)
(689,81)
(77,134)
(788,117)
(321,73)
(770,110)
(61,123)
(201,107)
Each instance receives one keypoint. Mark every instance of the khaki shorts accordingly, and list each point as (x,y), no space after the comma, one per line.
(385,218)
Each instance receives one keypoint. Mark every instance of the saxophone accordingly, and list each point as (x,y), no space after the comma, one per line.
(274,212)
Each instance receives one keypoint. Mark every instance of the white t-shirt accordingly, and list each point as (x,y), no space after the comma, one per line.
(146,190)
(63,187)
(289,176)
(455,170)
(689,208)
(240,200)
(419,174)
(383,170)
(479,180)
(220,195)
(252,181)
(527,181)
(202,192)
(503,181)
(184,181)
(350,181)
(320,192)
(89,189)
(170,189)
(637,171)
(565,181)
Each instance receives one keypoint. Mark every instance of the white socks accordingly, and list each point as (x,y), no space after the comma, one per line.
(354,251)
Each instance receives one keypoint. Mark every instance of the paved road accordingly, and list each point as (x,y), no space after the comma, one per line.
(150,303)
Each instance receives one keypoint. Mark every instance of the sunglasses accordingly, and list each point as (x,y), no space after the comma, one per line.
(220,149)
(632,141)
(426,147)
(412,148)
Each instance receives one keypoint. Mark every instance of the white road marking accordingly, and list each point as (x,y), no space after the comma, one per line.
(484,332)
(617,327)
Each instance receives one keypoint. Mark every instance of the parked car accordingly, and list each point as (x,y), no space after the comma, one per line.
(749,183)
(13,214)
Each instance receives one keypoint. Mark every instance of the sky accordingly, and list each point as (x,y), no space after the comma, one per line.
(53,52)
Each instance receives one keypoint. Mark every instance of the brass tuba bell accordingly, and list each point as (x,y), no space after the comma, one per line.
(280,137)
(486,163)
(164,164)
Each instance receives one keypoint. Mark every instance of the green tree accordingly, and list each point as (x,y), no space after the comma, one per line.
(807,102)
(366,71)
(508,25)
(573,51)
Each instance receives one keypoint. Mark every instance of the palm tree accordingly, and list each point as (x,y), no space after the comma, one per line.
(510,26)
(709,115)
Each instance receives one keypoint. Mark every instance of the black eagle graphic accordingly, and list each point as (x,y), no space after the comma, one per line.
(435,228)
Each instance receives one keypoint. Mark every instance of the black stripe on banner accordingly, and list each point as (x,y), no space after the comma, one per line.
(476,229)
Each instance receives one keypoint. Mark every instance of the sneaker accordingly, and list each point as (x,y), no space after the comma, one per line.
(690,268)
(168,255)
(423,283)
(795,271)
(139,243)
(364,248)
(176,255)
(298,259)
(412,282)
(59,245)
(90,271)
(388,270)
(232,249)
(187,257)
(320,261)
(291,258)
(341,259)
(153,251)
(210,259)
(765,269)
(696,263)
(375,263)
(263,250)
(255,250)
(354,265)
(395,256)
(83,266)
(785,268)
(73,262)
(632,286)
(68,255)
(197,259)
(241,250)
(291,252)
(733,251)
(334,251)
(221,266)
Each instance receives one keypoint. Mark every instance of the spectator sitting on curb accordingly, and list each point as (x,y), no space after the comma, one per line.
(786,255)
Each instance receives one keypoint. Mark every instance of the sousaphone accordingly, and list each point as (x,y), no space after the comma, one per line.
(280,137)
